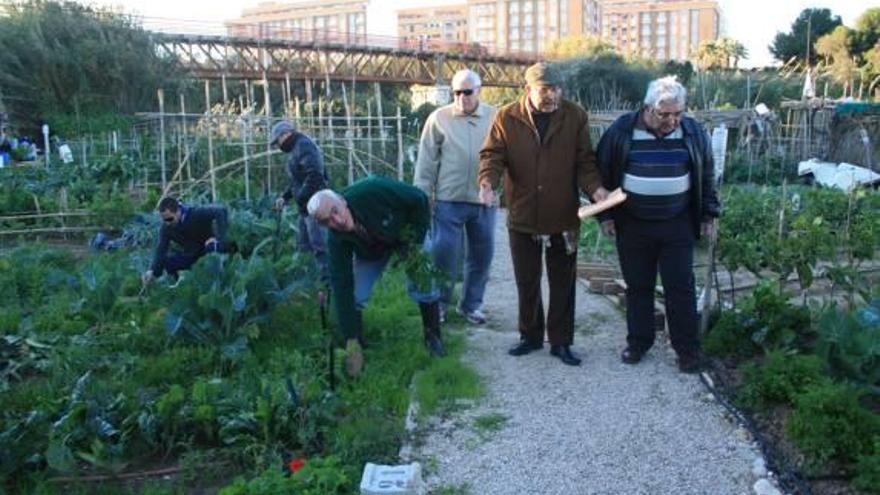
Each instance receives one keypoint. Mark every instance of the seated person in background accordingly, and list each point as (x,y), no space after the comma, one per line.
(197,231)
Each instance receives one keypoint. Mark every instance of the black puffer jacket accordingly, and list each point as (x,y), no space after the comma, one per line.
(612,156)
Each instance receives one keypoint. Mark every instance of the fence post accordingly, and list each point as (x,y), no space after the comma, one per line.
(244,149)
(209,119)
(268,111)
(161,94)
(399,145)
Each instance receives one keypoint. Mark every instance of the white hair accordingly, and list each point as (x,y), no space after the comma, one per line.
(466,75)
(320,197)
(666,89)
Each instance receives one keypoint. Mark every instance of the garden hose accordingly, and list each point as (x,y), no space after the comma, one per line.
(789,478)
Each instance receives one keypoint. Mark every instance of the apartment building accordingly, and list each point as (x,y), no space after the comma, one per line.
(659,29)
(446,24)
(308,20)
(529,25)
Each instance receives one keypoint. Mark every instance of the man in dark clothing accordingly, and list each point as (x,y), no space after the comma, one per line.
(369,222)
(197,231)
(663,160)
(305,167)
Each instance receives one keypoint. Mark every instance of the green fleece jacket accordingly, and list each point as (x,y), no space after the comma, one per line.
(394,215)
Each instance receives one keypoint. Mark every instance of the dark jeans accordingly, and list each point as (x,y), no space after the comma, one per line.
(643,246)
(173,263)
(526,253)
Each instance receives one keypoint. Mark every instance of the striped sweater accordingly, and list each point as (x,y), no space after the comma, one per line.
(657,178)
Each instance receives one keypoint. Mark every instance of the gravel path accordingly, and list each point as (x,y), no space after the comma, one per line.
(601,428)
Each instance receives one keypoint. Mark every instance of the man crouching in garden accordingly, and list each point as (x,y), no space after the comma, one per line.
(197,231)
(367,223)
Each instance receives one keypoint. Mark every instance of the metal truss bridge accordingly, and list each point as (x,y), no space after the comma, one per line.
(217,57)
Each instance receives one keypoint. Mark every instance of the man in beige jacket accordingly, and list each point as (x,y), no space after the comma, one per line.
(446,171)
(541,146)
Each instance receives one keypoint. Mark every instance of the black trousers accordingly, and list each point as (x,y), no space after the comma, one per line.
(526,253)
(643,246)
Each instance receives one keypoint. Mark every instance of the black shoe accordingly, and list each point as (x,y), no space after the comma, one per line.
(631,355)
(524,347)
(690,363)
(563,352)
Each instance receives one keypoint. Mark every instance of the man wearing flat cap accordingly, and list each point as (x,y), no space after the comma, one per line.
(540,145)
(305,168)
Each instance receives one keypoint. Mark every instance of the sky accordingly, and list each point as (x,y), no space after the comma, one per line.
(754,23)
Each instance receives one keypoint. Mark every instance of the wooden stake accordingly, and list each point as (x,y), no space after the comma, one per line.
(382,134)
(184,135)
(267,107)
(161,94)
(209,119)
(348,135)
(225,94)
(244,150)
(399,145)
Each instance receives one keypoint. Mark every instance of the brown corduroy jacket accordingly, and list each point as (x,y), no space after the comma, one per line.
(541,179)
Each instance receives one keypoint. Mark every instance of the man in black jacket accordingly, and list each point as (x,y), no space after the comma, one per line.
(663,161)
(305,167)
(196,230)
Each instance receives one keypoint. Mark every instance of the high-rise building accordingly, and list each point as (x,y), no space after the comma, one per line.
(529,25)
(343,21)
(447,24)
(659,29)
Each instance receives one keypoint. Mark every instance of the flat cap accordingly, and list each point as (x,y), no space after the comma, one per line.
(542,74)
(279,129)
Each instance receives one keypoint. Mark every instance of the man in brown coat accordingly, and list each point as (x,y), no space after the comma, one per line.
(541,145)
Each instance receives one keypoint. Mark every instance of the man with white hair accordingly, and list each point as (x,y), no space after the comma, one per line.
(663,161)
(446,170)
(367,223)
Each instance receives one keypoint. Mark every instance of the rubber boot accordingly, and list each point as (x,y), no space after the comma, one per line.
(431,324)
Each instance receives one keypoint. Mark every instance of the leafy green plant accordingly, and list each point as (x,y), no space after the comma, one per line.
(849,341)
(21,357)
(867,470)
(318,476)
(829,423)
(730,335)
(777,322)
(778,379)
(223,298)
(764,320)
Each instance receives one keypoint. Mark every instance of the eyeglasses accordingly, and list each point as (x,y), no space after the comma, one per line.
(466,92)
(168,219)
(667,115)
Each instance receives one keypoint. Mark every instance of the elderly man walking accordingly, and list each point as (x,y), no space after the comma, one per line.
(663,160)
(541,146)
(446,171)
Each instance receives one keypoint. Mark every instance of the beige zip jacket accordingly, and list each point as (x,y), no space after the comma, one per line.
(449,153)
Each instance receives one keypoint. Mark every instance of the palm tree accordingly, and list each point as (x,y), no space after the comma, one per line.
(723,53)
